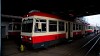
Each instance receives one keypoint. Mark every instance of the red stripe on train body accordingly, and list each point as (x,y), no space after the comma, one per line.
(45,38)
(77,33)
(13,33)
(89,31)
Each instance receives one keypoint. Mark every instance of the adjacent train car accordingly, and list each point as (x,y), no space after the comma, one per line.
(78,30)
(42,30)
(14,30)
(89,29)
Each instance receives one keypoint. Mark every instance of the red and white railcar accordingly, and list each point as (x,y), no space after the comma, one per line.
(41,30)
(89,29)
(14,29)
(78,30)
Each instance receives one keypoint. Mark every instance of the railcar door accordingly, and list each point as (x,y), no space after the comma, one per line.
(66,30)
(83,29)
(70,35)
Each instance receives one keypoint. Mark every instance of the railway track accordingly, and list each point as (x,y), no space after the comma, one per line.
(91,44)
(87,49)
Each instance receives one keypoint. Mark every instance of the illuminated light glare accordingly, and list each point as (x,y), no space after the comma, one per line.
(30,38)
(21,37)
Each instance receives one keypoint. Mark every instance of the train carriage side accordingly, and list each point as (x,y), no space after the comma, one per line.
(14,30)
(89,29)
(76,30)
(70,30)
(43,31)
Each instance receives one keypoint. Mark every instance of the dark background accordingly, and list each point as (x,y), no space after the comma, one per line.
(58,7)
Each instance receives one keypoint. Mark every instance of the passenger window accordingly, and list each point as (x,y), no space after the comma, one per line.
(17,27)
(73,26)
(80,27)
(61,26)
(90,27)
(77,26)
(10,27)
(52,25)
(40,25)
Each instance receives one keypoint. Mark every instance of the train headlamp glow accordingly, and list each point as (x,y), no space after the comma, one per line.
(30,38)
(21,37)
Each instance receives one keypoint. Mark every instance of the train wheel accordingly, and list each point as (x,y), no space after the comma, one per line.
(22,48)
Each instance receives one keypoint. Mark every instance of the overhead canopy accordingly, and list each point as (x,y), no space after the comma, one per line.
(64,8)
(10,18)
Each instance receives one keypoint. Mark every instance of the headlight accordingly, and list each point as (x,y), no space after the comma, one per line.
(21,37)
(30,38)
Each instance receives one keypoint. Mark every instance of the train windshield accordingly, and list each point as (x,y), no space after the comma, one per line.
(17,27)
(14,26)
(27,25)
(89,27)
(10,27)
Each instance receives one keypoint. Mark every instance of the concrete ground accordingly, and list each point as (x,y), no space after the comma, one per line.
(9,48)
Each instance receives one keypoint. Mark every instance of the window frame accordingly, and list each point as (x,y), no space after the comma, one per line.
(61,25)
(74,26)
(80,27)
(18,25)
(38,21)
(10,27)
(54,24)
(77,27)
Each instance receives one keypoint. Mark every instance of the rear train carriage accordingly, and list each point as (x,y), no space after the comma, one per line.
(89,29)
(14,30)
(78,30)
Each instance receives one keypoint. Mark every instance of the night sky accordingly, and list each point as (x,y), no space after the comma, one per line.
(60,7)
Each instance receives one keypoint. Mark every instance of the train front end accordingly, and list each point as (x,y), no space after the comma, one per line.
(26,31)
(40,30)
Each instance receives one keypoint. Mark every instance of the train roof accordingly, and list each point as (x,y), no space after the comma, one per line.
(41,14)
